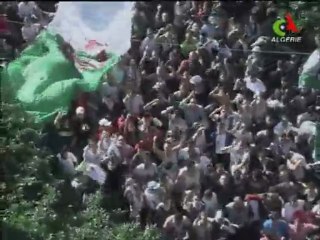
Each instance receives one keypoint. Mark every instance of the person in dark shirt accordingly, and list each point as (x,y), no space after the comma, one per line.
(82,130)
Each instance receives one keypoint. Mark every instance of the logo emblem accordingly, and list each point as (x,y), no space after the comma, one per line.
(283,27)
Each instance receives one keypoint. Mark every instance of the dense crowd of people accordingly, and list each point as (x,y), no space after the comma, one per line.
(197,126)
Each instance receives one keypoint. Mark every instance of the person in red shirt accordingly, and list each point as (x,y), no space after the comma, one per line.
(147,131)
(130,131)
(299,230)
(4,26)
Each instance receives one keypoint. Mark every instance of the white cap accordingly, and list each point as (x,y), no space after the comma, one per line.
(153,185)
(196,79)
(80,110)
(104,122)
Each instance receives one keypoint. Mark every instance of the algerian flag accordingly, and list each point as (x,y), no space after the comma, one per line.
(105,22)
(310,76)
(44,79)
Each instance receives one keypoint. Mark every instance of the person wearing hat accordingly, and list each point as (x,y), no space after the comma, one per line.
(153,195)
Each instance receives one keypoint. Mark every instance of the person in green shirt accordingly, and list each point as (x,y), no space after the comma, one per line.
(188,45)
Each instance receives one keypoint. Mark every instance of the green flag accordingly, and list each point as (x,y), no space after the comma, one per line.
(44,81)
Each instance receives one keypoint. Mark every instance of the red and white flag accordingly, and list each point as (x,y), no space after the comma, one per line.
(90,60)
(94,47)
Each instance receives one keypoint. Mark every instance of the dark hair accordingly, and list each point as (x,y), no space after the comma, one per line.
(204,34)
(64,149)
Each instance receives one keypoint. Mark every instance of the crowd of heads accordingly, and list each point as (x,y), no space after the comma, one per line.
(204,133)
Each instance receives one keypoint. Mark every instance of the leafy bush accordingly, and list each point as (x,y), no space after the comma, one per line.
(42,206)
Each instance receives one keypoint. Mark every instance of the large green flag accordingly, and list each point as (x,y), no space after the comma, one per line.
(44,81)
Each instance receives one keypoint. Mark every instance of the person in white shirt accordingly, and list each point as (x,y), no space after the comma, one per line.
(30,30)
(297,164)
(259,109)
(27,9)
(200,139)
(96,173)
(91,153)
(291,207)
(133,103)
(255,85)
(105,142)
(68,161)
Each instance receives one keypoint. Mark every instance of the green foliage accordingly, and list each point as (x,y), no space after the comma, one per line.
(40,206)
